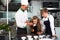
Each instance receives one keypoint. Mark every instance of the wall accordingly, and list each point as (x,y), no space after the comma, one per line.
(17,1)
(4,14)
(59,4)
(36,7)
(11,14)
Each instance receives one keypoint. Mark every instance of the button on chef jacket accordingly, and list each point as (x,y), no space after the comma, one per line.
(51,19)
(21,17)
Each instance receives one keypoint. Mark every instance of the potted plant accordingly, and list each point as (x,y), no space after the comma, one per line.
(5,27)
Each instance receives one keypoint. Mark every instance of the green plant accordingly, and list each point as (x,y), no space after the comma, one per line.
(5,27)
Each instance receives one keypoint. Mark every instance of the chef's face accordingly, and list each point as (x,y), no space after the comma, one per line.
(44,14)
(34,21)
(24,7)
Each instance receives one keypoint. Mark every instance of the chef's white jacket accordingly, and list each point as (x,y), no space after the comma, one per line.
(51,19)
(21,17)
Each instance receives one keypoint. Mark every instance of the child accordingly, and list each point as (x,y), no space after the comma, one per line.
(36,28)
(48,21)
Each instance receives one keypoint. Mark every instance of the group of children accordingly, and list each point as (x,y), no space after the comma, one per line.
(48,23)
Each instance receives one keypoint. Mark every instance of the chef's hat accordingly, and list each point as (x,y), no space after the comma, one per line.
(24,2)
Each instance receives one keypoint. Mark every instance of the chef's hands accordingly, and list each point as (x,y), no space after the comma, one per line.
(28,23)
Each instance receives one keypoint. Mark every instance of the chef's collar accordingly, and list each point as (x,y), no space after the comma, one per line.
(22,10)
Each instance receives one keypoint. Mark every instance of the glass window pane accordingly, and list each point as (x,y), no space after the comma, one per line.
(3,11)
(3,18)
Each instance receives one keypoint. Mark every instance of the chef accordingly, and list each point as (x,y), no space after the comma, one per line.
(48,21)
(21,19)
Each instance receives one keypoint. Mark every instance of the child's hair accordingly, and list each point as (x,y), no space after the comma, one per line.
(44,10)
(38,23)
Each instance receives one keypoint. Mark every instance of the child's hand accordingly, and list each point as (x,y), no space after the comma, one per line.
(54,35)
(32,30)
(39,33)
